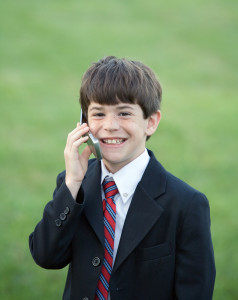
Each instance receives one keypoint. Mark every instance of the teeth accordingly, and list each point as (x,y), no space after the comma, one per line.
(114,141)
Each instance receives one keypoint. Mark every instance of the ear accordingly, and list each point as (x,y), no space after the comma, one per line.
(153,122)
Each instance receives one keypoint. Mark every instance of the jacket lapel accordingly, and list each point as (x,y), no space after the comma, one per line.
(93,199)
(144,211)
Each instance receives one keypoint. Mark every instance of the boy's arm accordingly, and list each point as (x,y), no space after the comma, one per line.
(50,243)
(195,266)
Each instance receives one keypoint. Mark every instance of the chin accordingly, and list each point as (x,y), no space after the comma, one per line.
(112,157)
(112,160)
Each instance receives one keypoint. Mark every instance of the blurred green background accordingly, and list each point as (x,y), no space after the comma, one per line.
(46,46)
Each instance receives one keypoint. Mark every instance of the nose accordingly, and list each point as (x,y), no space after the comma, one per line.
(110,123)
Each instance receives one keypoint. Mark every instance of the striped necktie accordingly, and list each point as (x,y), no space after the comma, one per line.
(109,211)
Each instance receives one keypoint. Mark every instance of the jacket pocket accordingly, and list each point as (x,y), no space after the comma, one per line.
(153,253)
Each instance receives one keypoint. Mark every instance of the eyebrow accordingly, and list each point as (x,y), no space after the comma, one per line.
(96,108)
(124,107)
(100,108)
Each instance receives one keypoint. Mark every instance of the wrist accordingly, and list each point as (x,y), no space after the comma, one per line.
(73,187)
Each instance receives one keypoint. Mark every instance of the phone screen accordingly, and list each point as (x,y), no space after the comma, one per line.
(92,141)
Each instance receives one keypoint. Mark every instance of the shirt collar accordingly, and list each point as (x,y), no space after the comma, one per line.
(128,177)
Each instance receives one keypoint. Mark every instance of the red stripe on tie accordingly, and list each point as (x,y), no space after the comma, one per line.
(108,184)
(111,194)
(108,216)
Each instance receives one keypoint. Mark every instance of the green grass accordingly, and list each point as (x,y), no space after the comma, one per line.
(45,48)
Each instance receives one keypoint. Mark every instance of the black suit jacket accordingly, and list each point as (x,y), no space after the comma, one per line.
(165,251)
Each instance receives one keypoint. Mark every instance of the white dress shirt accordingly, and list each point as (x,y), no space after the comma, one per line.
(126,179)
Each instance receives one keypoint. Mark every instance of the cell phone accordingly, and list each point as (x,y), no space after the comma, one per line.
(92,142)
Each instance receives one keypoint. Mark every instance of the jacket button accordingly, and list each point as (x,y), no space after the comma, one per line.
(66,210)
(96,261)
(62,216)
(58,222)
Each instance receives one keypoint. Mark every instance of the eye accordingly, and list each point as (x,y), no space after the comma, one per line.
(98,115)
(124,114)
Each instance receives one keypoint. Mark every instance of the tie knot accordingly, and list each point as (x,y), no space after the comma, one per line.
(110,188)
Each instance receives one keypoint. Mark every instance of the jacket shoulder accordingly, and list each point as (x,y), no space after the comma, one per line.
(178,185)
(175,190)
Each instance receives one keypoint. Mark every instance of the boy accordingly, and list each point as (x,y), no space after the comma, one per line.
(127,228)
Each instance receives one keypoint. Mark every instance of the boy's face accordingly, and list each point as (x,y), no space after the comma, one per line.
(121,131)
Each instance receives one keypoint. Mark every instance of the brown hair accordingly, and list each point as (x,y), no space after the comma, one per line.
(112,80)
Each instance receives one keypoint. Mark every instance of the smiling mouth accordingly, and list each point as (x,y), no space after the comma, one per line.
(113,141)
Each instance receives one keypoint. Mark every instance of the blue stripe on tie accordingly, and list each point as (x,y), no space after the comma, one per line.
(111,211)
(108,247)
(104,282)
(100,295)
(107,266)
(109,228)
(110,188)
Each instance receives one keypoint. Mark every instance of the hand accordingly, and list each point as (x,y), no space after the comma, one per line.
(76,164)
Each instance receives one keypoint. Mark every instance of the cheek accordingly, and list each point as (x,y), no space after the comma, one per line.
(93,126)
(140,126)
(134,126)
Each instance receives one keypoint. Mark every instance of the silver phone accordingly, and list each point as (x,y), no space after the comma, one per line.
(92,141)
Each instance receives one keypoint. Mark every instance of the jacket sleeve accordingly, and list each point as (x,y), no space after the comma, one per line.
(50,242)
(195,266)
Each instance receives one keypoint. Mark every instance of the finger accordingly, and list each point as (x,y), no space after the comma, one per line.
(78,127)
(79,131)
(72,147)
(76,135)
(77,143)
